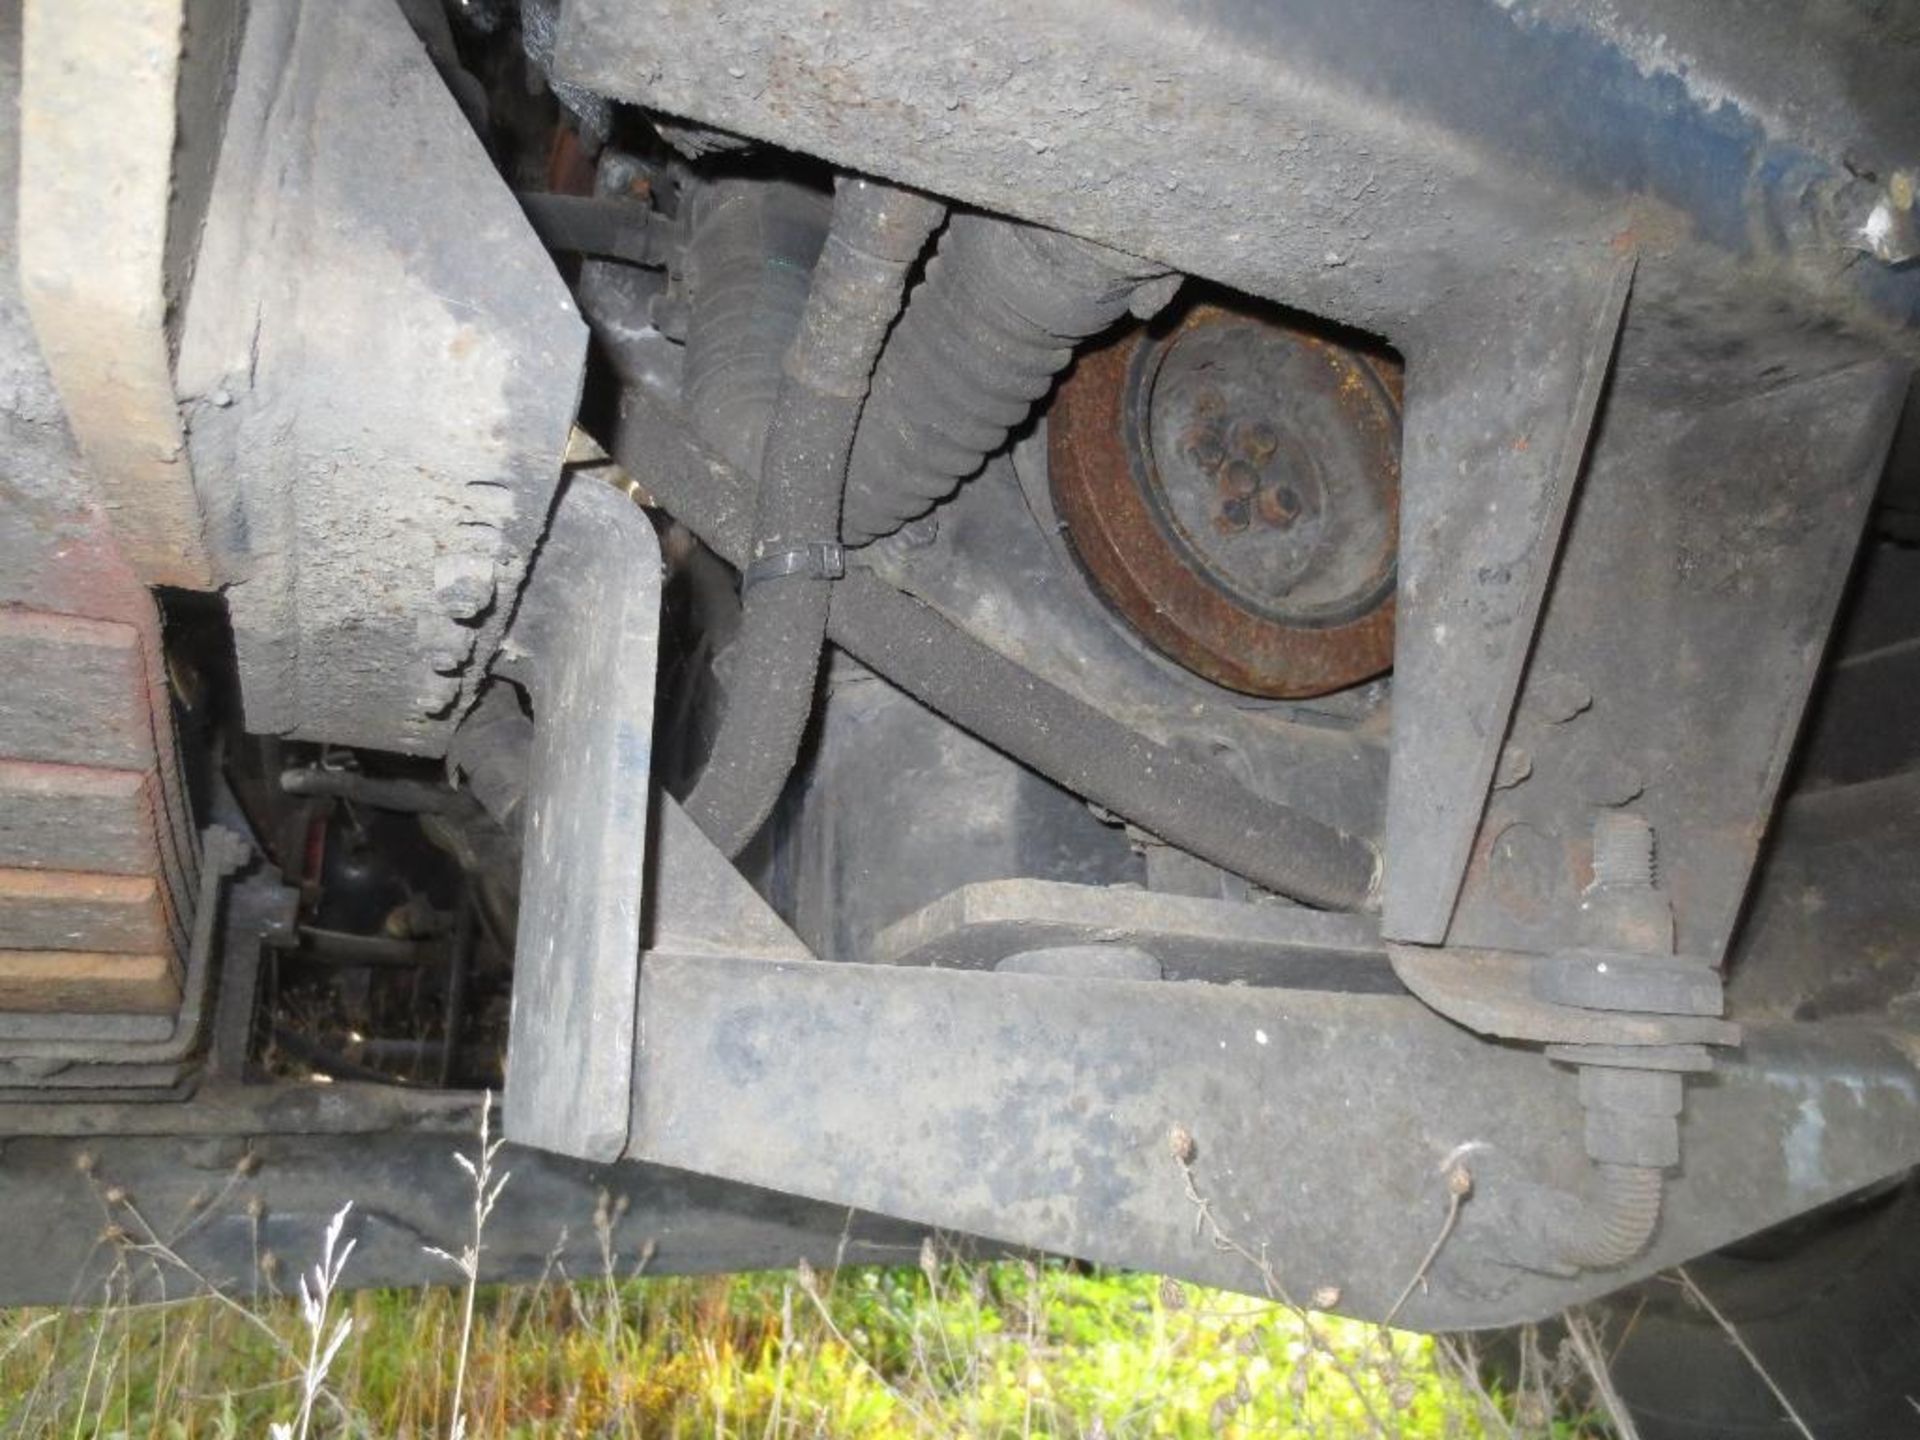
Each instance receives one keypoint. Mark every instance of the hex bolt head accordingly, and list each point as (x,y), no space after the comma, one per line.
(1639,1092)
(1150,297)
(463,584)
(446,643)
(1234,515)
(1556,698)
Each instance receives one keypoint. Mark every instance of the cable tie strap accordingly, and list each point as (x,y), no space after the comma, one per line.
(817,560)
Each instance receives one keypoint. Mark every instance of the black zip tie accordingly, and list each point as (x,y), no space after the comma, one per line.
(817,560)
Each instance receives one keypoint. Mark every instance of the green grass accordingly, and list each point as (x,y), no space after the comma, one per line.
(944,1350)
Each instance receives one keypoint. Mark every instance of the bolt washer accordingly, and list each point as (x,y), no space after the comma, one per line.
(1231,483)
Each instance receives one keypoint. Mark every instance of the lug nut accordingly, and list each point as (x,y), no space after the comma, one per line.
(1278,506)
(1202,446)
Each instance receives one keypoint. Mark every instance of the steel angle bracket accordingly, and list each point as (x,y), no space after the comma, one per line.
(1496,993)
(1500,407)
(1678,641)
(703,911)
(585,644)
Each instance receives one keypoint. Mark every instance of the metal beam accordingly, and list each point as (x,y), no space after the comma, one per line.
(586,641)
(1330,154)
(276,1178)
(1037,1110)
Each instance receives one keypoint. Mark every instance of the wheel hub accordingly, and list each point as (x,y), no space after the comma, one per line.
(1231,484)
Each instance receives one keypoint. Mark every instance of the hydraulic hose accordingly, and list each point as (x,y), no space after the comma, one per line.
(1616,1226)
(876,234)
(1196,807)
(994,319)
(1188,803)
(754,243)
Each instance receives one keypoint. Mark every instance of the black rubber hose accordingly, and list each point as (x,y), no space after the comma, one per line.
(994,319)
(752,248)
(1619,1223)
(1196,807)
(1189,804)
(876,234)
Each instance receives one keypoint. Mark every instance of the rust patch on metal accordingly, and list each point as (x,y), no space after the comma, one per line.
(93,821)
(100,82)
(52,981)
(1231,484)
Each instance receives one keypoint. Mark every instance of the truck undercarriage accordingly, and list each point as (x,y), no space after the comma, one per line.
(1276,643)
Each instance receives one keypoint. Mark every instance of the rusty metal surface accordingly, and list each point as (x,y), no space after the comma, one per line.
(63,981)
(1231,482)
(86,717)
(74,682)
(81,910)
(96,899)
(94,817)
(1829,930)
(77,818)
(1092,750)
(1002,571)
(97,129)
(217,917)
(1493,992)
(86,748)
(80,637)
(1329,155)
